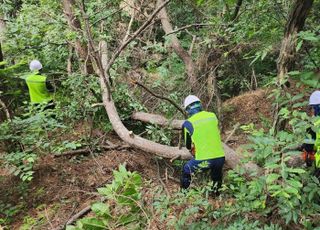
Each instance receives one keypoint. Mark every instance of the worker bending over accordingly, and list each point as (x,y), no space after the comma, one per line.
(202,137)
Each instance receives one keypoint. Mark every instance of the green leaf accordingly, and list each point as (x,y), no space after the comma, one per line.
(296,170)
(92,224)
(299,45)
(70,227)
(124,220)
(272,177)
(101,209)
(295,183)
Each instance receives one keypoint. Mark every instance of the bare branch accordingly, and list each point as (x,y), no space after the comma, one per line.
(236,10)
(104,18)
(4,107)
(196,26)
(134,35)
(162,97)
(129,27)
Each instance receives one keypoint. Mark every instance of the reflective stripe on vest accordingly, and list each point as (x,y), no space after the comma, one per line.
(317,144)
(206,136)
(37,88)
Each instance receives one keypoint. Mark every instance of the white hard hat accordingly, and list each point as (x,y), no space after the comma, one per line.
(315,98)
(189,100)
(35,65)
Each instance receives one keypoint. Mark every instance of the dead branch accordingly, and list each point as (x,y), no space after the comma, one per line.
(196,26)
(161,97)
(232,132)
(129,27)
(73,153)
(160,179)
(194,38)
(4,107)
(87,151)
(80,214)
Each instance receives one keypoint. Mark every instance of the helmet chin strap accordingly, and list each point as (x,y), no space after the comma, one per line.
(194,108)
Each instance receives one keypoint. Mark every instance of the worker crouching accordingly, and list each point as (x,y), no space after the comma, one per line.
(202,138)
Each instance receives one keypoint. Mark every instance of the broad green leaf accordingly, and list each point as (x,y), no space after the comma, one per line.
(296,170)
(101,209)
(295,183)
(272,177)
(92,224)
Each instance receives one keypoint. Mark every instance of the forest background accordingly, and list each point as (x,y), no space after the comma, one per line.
(111,60)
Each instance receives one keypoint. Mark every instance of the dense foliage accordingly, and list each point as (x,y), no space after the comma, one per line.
(234,45)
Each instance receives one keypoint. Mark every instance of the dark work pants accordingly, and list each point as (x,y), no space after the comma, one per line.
(215,165)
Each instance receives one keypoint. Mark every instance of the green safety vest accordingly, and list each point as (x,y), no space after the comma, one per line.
(206,136)
(317,144)
(37,88)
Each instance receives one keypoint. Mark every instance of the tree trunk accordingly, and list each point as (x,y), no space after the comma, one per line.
(80,48)
(294,25)
(180,51)
(287,54)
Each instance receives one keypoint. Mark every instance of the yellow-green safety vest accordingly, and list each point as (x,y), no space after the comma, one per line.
(317,144)
(206,136)
(37,88)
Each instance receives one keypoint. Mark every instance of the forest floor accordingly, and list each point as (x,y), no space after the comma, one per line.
(63,186)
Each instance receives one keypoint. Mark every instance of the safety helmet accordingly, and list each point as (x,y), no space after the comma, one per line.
(189,100)
(315,98)
(35,65)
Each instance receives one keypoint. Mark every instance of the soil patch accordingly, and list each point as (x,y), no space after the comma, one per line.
(61,187)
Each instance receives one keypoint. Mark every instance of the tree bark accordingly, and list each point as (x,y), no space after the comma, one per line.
(180,51)
(157,119)
(80,48)
(294,25)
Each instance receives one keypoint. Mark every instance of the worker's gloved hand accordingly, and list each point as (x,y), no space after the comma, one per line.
(300,148)
(193,150)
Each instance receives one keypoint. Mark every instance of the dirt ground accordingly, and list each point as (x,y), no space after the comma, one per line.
(251,107)
(63,186)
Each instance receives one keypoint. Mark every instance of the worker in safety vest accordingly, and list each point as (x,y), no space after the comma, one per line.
(40,90)
(314,102)
(202,137)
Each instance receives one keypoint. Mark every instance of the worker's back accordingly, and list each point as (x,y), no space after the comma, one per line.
(206,136)
(37,89)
